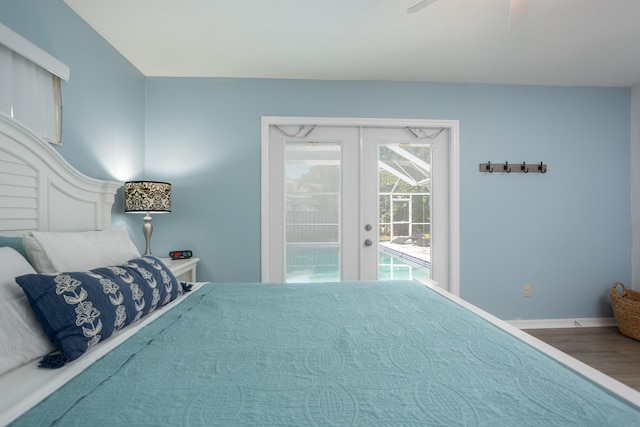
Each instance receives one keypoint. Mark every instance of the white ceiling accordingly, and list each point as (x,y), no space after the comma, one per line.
(555,42)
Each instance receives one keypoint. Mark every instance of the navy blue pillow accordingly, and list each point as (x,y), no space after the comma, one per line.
(78,310)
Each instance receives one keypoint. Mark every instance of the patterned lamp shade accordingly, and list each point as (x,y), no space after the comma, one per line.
(147,196)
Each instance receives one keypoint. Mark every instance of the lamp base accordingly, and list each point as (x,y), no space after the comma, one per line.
(147,229)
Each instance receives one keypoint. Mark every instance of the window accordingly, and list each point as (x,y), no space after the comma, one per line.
(30,90)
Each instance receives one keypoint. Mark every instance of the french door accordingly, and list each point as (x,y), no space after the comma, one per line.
(337,193)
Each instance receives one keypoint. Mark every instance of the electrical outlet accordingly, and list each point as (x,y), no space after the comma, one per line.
(526,290)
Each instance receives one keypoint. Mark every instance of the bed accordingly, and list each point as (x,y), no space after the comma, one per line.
(362,353)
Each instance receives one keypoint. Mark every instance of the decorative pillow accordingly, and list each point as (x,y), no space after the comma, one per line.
(21,337)
(50,252)
(78,310)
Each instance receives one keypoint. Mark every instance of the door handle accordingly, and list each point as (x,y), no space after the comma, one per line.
(368,242)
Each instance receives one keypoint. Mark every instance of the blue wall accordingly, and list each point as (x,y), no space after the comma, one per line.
(203,135)
(567,232)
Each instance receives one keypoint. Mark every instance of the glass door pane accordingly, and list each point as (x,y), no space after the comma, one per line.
(404,192)
(312,211)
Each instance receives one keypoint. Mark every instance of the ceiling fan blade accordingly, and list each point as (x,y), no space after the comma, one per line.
(419,6)
(517,10)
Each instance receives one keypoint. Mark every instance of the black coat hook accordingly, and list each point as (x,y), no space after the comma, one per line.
(489,168)
(524,168)
(542,169)
(506,167)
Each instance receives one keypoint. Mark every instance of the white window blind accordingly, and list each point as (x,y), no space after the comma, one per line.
(30,85)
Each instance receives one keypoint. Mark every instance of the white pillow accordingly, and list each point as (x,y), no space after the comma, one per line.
(21,336)
(51,252)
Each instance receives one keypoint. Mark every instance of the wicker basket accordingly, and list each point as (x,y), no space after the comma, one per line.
(626,308)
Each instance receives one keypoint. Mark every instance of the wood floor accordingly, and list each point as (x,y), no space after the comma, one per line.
(605,349)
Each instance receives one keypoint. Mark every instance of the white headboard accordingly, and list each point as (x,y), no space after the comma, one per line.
(40,190)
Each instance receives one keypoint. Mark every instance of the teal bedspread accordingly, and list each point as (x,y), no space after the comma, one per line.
(333,354)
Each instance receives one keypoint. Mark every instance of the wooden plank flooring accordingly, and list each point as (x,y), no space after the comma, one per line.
(604,349)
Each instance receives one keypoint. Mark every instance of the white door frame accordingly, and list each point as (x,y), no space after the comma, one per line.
(454,180)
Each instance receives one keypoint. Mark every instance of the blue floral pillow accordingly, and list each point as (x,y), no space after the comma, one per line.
(78,310)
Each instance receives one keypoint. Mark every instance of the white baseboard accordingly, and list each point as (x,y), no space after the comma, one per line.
(563,323)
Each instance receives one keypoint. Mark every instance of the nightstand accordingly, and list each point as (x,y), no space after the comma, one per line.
(183,269)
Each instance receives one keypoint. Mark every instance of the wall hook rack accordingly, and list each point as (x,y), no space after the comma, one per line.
(508,168)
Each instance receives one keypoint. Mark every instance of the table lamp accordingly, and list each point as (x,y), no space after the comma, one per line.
(147,197)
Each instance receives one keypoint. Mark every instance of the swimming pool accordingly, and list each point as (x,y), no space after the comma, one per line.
(320,263)
(396,266)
